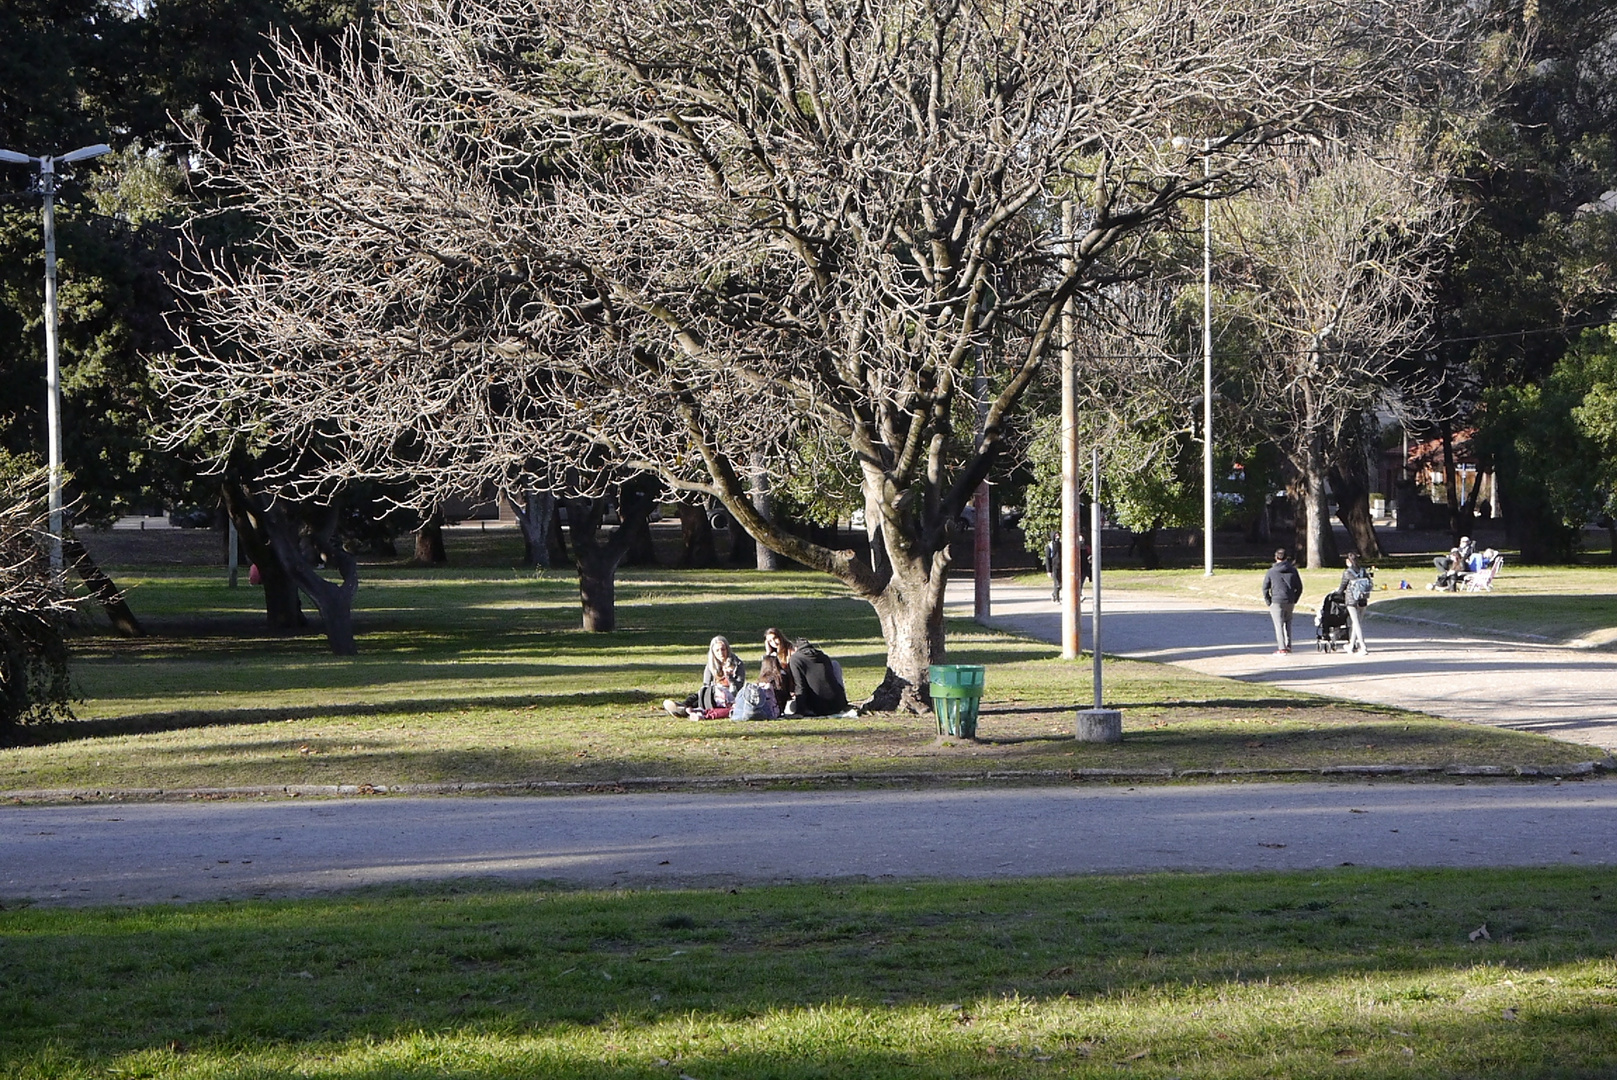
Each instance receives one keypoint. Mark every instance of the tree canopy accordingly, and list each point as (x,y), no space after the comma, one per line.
(684,236)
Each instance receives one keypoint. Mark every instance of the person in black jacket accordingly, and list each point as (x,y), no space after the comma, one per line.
(817,688)
(1282,588)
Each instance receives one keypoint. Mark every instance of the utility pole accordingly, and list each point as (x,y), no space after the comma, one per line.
(1070,547)
(982,526)
(1207,364)
(53,377)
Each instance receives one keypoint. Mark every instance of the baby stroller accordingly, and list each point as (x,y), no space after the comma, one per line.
(1331,627)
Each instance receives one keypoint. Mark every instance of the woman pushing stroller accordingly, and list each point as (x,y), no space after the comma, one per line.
(1357,582)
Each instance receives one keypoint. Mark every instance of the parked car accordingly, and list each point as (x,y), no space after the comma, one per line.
(194,518)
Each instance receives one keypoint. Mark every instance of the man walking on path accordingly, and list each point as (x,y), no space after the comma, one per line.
(1282,588)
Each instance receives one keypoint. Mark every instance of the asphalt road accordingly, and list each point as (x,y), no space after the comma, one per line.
(1566,693)
(178,852)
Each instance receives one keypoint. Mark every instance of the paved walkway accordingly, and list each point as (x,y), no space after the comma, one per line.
(1567,693)
(156,852)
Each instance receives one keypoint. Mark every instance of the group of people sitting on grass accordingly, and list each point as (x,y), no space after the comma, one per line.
(795,678)
(1462,561)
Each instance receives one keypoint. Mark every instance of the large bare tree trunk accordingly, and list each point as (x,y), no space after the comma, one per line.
(107,594)
(533,516)
(429,540)
(763,500)
(597,587)
(596,560)
(910,610)
(1353,508)
(696,536)
(1320,542)
(335,600)
(283,608)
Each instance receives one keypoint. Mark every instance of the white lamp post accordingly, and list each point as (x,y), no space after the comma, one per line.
(53,381)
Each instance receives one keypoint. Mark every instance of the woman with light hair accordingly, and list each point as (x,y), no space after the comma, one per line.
(722,679)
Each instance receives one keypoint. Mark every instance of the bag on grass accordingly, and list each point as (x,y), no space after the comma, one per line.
(754,702)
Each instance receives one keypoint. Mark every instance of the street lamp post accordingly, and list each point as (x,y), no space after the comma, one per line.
(1207,366)
(53,381)
(1182,143)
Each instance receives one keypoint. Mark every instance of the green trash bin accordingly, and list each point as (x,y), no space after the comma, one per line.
(957,690)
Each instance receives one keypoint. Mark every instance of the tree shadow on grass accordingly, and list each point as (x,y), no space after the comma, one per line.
(493,981)
(183,719)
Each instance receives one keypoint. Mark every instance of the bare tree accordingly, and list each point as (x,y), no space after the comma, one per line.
(33,605)
(1340,253)
(1141,391)
(693,238)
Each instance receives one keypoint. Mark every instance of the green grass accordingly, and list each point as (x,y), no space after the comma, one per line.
(1335,973)
(480,675)
(1573,605)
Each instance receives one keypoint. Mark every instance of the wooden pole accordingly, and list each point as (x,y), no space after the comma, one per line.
(1070,547)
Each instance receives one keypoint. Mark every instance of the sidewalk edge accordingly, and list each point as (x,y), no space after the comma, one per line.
(663,783)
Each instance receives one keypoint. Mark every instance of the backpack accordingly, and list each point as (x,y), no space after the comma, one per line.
(1357,591)
(754,702)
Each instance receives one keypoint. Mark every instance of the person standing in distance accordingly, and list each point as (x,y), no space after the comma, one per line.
(1356,586)
(1282,588)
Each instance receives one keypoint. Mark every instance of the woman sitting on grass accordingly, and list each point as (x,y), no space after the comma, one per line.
(776,645)
(817,688)
(722,679)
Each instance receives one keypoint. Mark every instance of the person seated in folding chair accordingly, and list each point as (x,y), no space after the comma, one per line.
(1483,568)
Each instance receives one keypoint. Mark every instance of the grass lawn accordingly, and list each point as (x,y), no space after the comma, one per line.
(1561,604)
(1331,973)
(478,674)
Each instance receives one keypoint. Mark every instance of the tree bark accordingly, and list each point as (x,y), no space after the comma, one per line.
(596,560)
(1459,517)
(697,550)
(597,588)
(283,608)
(335,600)
(763,500)
(641,551)
(533,516)
(102,588)
(743,549)
(429,540)
(1353,509)
(910,610)
(1320,541)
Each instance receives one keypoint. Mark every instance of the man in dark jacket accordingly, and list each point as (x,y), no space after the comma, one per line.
(1282,588)
(816,681)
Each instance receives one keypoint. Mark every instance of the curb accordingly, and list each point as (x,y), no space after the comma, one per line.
(708,783)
